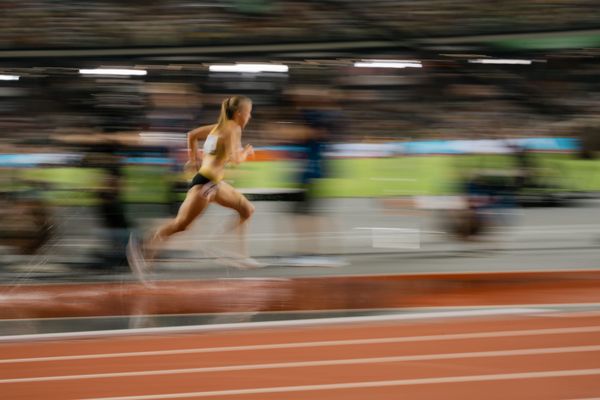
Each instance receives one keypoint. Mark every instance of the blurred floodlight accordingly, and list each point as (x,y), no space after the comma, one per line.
(388,64)
(113,71)
(499,61)
(388,60)
(9,77)
(253,68)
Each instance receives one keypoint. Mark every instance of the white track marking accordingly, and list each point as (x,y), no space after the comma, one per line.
(358,385)
(588,398)
(320,363)
(328,343)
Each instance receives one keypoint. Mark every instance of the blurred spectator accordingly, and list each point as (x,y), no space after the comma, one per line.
(320,121)
(109,23)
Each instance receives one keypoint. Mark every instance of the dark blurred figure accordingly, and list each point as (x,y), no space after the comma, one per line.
(524,164)
(529,186)
(319,121)
(104,155)
(588,133)
(488,197)
(26,217)
(119,108)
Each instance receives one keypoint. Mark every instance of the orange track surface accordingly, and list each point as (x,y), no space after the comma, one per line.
(563,363)
(299,294)
(545,355)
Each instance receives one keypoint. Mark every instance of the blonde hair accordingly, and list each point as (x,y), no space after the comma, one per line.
(229,106)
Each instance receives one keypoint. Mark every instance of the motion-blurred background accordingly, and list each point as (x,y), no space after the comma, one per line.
(425,177)
(416,127)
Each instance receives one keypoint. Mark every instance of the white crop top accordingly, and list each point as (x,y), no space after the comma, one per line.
(210,144)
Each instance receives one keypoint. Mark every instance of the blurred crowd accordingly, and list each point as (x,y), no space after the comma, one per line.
(448,97)
(443,99)
(110,23)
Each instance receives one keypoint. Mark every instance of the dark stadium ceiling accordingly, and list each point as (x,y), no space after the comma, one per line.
(499,44)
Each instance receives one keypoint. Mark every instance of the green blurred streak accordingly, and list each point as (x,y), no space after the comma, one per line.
(550,41)
(146,184)
(372,177)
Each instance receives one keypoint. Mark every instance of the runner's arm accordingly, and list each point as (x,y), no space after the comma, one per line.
(233,143)
(192,140)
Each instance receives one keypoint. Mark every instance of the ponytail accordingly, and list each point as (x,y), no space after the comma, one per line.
(228,108)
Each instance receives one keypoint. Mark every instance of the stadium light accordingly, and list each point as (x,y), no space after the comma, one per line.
(253,68)
(113,71)
(499,61)
(388,64)
(387,60)
(9,77)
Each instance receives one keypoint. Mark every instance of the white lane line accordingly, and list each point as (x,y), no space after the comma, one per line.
(320,363)
(272,324)
(358,385)
(574,314)
(587,398)
(326,343)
